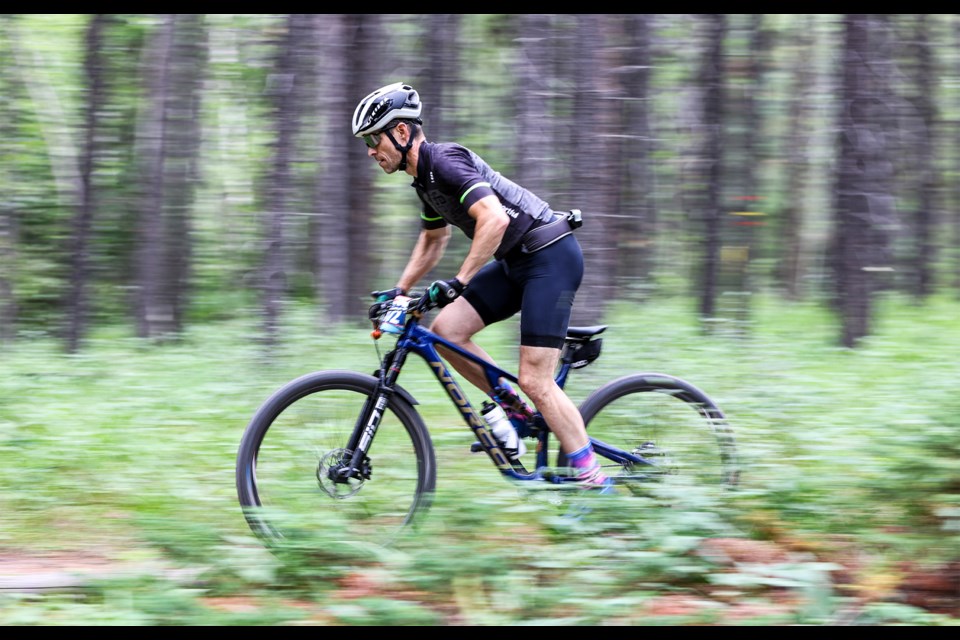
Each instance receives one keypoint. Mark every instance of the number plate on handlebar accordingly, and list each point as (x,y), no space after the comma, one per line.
(395,316)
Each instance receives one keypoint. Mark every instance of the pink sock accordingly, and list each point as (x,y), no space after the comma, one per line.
(584,461)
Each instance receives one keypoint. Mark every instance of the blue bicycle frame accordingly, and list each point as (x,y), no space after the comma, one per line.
(423,342)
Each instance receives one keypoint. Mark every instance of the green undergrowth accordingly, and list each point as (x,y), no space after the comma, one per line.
(125,454)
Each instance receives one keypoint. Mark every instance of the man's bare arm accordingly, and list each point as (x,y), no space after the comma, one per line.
(426,254)
(492,222)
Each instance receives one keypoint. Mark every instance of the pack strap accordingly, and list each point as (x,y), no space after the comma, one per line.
(546,234)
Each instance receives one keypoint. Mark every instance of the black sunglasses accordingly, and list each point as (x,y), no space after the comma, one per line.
(373,139)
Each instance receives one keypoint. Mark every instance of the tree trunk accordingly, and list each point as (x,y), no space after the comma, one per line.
(76,301)
(8,302)
(438,86)
(742,217)
(564,132)
(863,203)
(188,64)
(169,146)
(353,47)
(594,122)
(332,193)
(153,306)
(926,182)
(366,43)
(712,83)
(637,219)
(956,188)
(8,235)
(792,267)
(534,73)
(284,88)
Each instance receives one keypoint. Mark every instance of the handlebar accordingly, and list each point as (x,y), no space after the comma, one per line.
(419,300)
(423,302)
(419,304)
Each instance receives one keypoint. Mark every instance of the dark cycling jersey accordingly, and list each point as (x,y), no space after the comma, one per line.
(450,178)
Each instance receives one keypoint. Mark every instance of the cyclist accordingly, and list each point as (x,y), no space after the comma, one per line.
(536,265)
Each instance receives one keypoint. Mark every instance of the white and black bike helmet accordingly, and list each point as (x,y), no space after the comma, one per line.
(385,107)
(397,101)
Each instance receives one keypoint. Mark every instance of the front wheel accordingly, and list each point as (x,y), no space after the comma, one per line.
(290,454)
(675,428)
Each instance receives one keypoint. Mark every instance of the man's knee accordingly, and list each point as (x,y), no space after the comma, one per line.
(536,385)
(537,366)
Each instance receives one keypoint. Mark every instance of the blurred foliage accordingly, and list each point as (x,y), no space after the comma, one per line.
(126,453)
(117,462)
(45,89)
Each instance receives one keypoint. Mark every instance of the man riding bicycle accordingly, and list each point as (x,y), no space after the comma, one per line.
(536,266)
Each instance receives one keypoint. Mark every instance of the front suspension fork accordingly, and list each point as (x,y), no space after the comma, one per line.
(369,419)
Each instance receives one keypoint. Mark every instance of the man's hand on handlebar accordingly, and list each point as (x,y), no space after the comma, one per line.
(443,292)
(383,300)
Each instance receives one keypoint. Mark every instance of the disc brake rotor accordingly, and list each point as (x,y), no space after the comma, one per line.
(330,466)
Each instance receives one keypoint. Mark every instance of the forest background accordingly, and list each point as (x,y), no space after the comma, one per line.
(772,211)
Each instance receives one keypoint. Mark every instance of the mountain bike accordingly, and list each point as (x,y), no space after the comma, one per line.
(350,448)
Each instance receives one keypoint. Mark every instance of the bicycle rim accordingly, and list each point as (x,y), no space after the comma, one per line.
(293,500)
(668,422)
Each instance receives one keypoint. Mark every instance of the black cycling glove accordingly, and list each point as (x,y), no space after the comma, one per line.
(389,294)
(443,292)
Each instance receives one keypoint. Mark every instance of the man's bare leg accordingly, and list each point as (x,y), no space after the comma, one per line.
(458,322)
(537,367)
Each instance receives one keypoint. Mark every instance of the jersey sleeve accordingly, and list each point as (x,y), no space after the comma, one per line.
(462,176)
(429,218)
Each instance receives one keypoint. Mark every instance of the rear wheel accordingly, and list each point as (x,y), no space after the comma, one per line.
(671,424)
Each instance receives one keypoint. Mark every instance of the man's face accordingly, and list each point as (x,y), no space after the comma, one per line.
(382,150)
